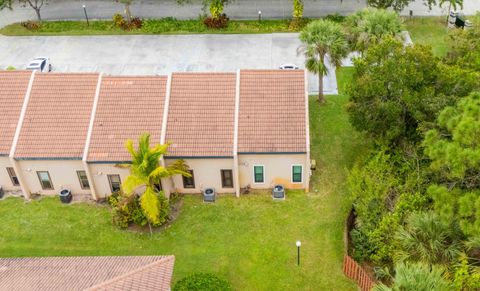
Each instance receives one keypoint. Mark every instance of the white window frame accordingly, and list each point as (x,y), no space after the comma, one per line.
(49,180)
(253,171)
(80,180)
(110,181)
(291,173)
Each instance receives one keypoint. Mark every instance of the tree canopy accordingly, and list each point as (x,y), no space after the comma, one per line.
(399,5)
(369,26)
(454,148)
(397,91)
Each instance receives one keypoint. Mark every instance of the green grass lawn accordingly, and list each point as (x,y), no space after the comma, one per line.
(154,26)
(249,240)
(430,31)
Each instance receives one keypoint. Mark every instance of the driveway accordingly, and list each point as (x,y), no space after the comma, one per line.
(160,54)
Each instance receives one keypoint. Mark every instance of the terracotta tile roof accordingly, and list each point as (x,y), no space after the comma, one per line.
(13,88)
(127,107)
(57,117)
(272,112)
(82,273)
(201,114)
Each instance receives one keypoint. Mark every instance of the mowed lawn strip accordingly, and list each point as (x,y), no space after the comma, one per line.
(250,241)
(431,31)
(154,26)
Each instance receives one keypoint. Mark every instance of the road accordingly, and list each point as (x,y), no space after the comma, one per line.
(239,9)
(160,54)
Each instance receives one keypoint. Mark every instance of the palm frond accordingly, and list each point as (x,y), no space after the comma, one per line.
(131,183)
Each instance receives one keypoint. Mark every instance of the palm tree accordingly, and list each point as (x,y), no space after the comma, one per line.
(370,26)
(427,238)
(417,277)
(145,171)
(322,39)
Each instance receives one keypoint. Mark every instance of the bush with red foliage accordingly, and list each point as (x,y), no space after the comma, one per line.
(219,22)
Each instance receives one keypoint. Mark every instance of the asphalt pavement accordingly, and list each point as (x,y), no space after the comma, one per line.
(160,54)
(239,9)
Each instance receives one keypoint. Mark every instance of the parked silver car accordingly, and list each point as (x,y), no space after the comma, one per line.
(288,67)
(41,64)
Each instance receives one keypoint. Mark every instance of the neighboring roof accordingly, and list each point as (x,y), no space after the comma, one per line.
(127,107)
(57,116)
(82,273)
(272,112)
(201,115)
(13,86)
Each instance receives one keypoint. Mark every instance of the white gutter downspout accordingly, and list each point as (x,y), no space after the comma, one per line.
(86,167)
(308,171)
(167,184)
(236,174)
(16,167)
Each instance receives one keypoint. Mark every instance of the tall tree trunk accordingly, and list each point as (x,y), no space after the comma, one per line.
(39,17)
(321,98)
(128,13)
(448,12)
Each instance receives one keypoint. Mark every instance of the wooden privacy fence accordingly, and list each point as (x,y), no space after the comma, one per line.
(351,268)
(355,272)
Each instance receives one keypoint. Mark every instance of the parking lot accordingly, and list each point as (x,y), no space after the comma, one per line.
(160,54)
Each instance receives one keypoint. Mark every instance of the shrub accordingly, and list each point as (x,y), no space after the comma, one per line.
(297,24)
(202,282)
(136,23)
(127,210)
(216,8)
(31,25)
(335,17)
(114,198)
(218,22)
(10,68)
(297,8)
(119,21)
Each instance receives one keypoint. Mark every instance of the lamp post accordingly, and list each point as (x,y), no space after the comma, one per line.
(259,15)
(299,243)
(85,11)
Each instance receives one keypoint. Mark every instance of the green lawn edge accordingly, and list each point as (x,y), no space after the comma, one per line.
(150,27)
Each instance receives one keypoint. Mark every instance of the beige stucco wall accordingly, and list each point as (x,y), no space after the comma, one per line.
(100,172)
(63,174)
(206,174)
(5,180)
(278,170)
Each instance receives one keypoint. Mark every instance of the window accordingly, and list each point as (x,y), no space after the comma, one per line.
(258,174)
(115,183)
(227,178)
(82,177)
(297,173)
(45,180)
(189,182)
(13,176)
